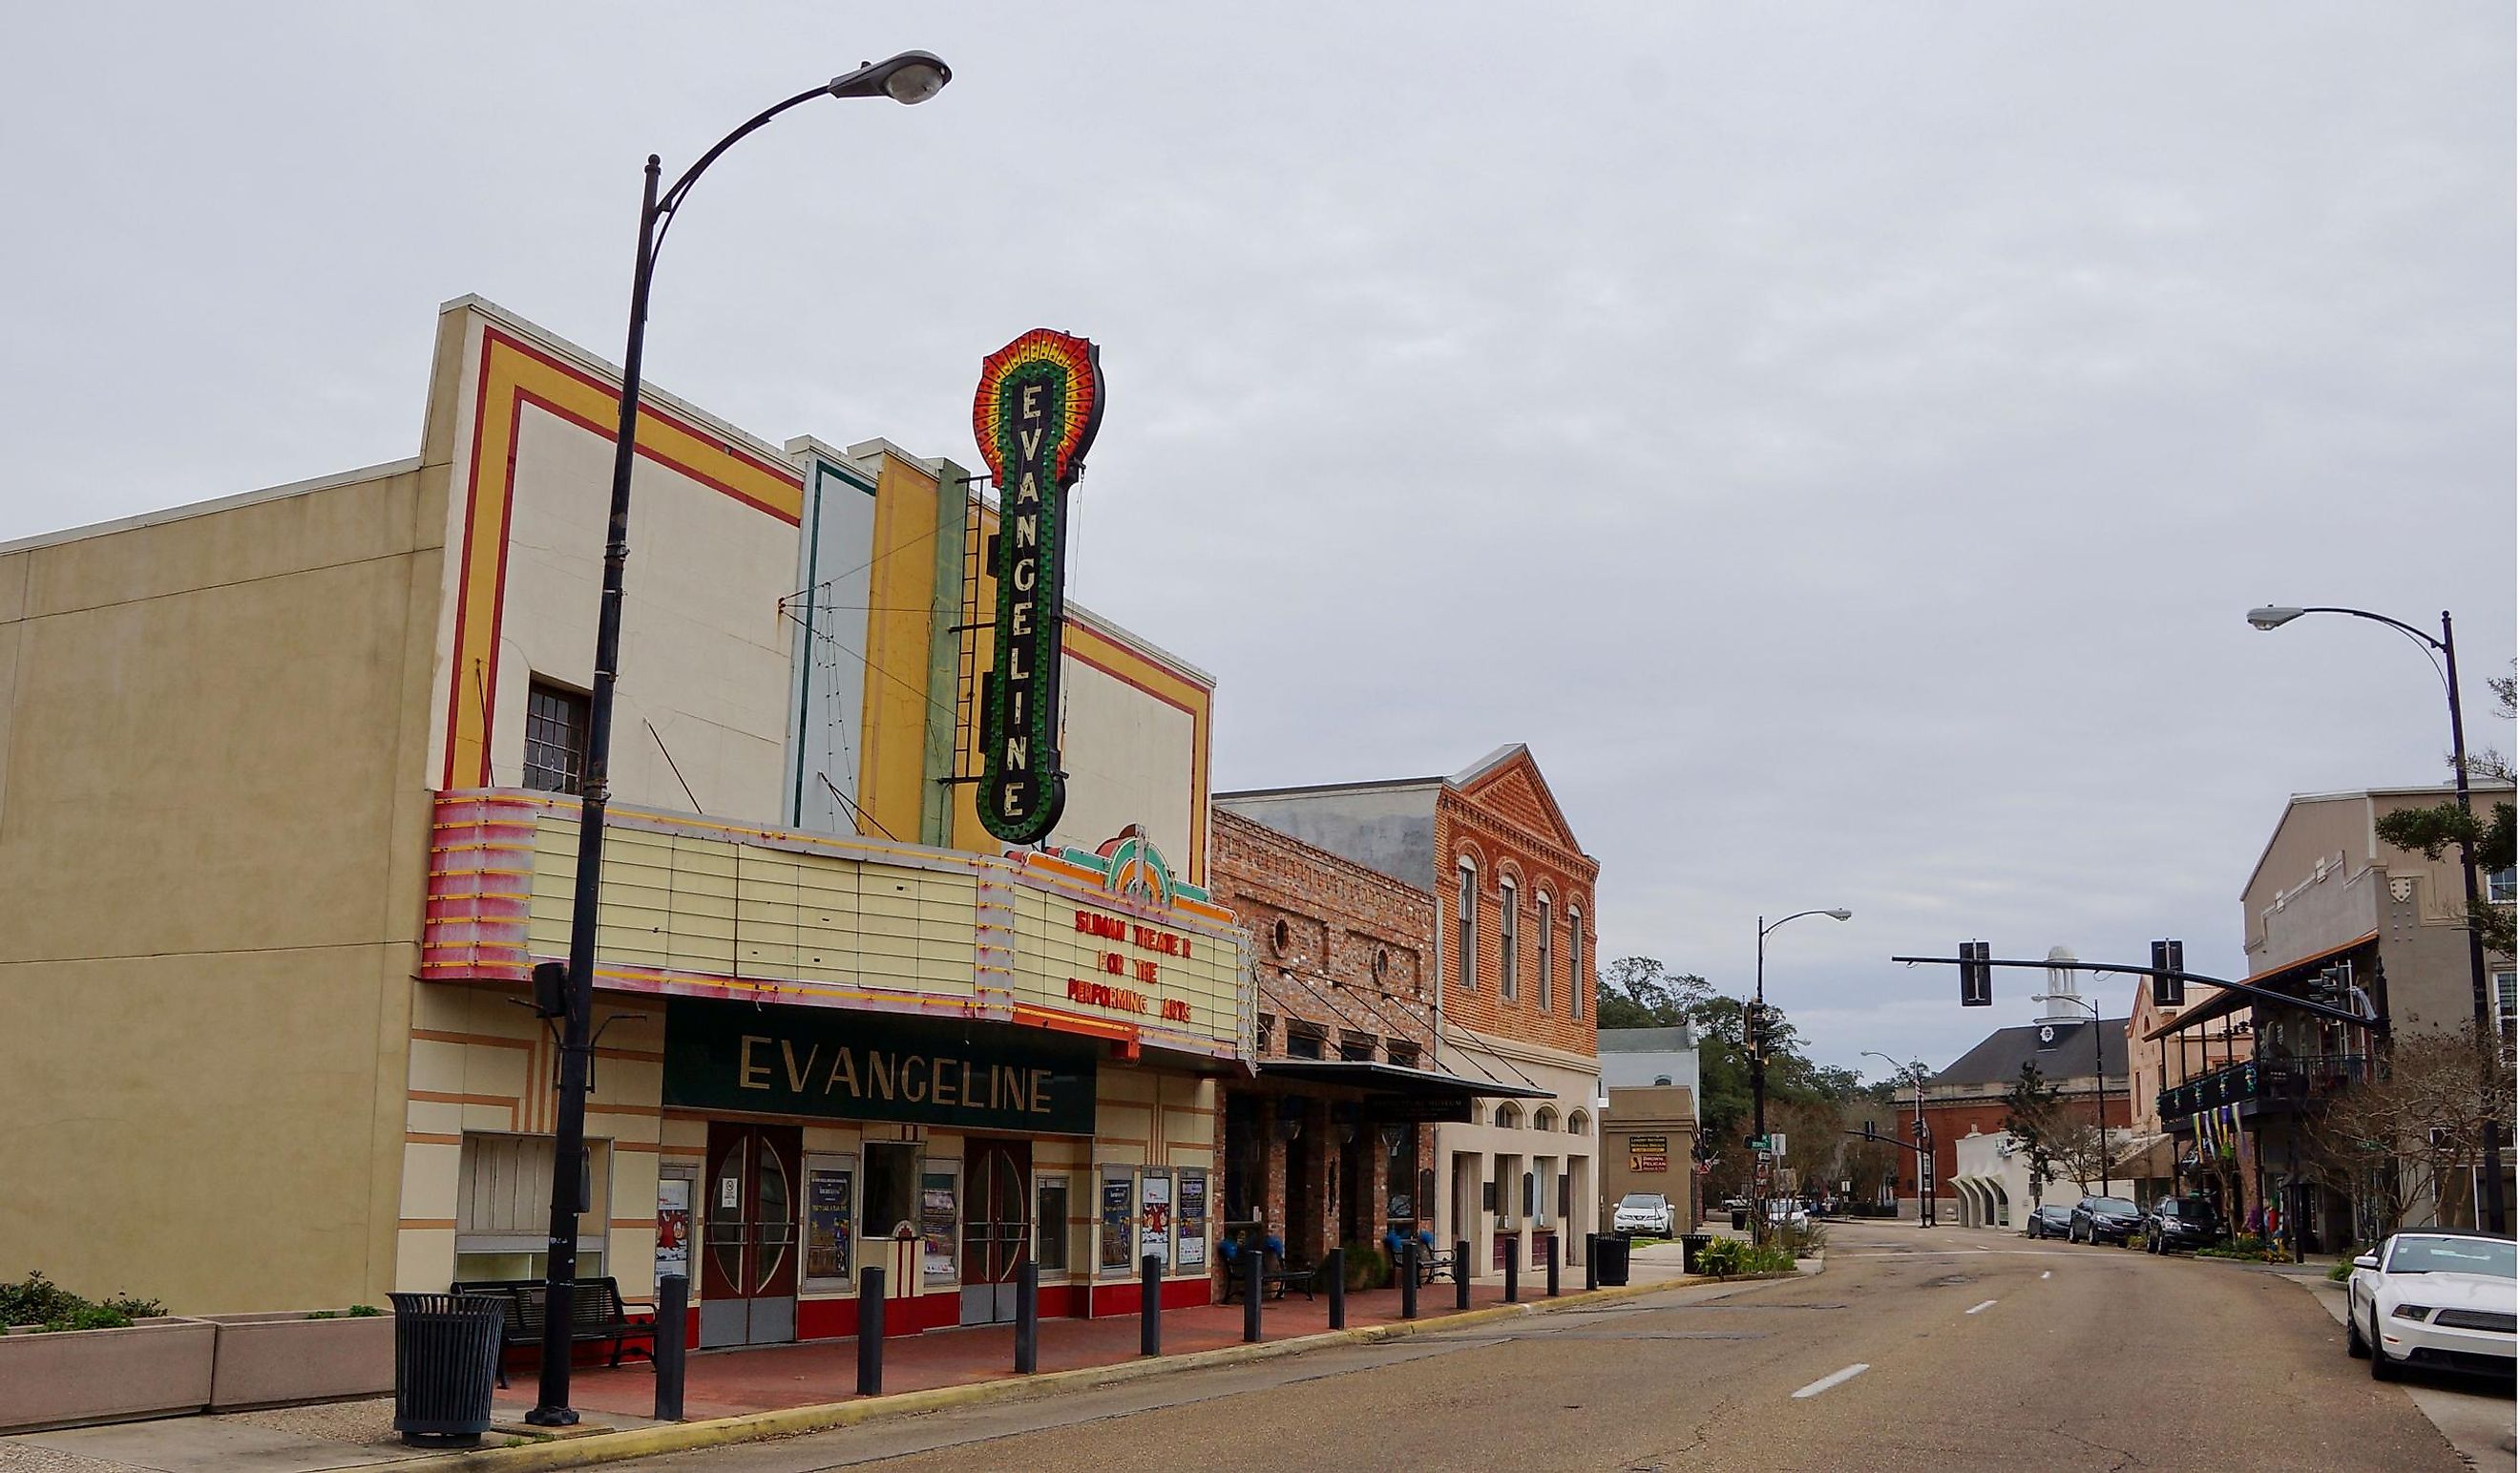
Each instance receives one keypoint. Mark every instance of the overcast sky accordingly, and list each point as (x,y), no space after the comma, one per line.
(1841,440)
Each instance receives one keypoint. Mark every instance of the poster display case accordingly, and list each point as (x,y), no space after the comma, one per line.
(831,1223)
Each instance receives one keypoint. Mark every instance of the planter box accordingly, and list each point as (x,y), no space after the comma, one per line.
(266,1359)
(155,1368)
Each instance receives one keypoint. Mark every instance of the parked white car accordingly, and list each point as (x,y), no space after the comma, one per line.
(1785,1211)
(2441,1298)
(1642,1212)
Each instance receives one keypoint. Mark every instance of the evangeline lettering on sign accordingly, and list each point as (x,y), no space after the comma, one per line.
(918,1079)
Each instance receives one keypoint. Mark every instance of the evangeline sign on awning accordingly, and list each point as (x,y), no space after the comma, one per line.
(977,1075)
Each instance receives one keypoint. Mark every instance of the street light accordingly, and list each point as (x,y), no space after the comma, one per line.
(1754,1034)
(913,76)
(2099,1074)
(2273,616)
(1915,1076)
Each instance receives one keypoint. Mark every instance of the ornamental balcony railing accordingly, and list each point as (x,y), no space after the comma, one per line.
(2271,1083)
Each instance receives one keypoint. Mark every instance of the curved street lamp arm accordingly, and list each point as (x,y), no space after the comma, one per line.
(1797,915)
(672,199)
(2401,627)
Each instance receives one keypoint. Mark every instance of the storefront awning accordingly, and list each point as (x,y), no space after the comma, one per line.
(1393,1080)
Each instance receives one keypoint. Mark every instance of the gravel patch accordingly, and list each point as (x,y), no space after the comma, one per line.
(367,1423)
(26,1458)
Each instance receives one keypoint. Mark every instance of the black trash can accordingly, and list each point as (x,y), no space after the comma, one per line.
(1610,1256)
(1692,1244)
(446,1355)
(1740,1219)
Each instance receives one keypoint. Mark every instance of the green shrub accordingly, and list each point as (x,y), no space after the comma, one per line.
(1365,1266)
(40,1301)
(365,1312)
(1727,1257)
(37,1301)
(2343,1271)
(1722,1258)
(2246,1246)
(87,1316)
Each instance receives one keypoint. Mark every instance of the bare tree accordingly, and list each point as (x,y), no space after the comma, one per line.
(2409,1139)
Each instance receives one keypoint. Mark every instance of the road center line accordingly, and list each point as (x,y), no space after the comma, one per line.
(1973,1308)
(1833,1378)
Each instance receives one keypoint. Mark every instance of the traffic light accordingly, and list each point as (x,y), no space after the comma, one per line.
(1977,979)
(2330,984)
(2169,991)
(1868,1133)
(1758,1025)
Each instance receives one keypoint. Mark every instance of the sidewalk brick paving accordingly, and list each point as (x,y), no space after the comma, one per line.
(770,1378)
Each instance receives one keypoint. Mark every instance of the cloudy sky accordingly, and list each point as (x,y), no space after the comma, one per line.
(1841,439)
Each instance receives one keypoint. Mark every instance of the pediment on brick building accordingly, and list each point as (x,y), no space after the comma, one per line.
(1508,782)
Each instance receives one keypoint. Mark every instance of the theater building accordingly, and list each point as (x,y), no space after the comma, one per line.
(288,815)
(1510,890)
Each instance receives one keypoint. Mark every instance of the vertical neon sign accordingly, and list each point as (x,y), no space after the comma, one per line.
(1040,402)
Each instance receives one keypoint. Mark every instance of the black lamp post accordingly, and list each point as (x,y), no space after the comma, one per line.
(1755,1035)
(2446,647)
(913,76)
(2099,1078)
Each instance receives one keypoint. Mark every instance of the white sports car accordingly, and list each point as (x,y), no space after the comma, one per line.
(2441,1298)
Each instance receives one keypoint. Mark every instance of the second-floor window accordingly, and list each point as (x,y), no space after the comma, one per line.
(1574,962)
(1546,958)
(2507,1001)
(1465,930)
(556,721)
(1509,934)
(2503,886)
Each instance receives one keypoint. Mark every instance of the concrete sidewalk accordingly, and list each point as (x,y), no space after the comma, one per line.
(774,1389)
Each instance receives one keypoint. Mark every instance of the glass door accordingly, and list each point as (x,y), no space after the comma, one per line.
(748,1236)
(997,1228)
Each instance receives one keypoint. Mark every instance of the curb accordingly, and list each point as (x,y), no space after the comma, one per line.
(792,1421)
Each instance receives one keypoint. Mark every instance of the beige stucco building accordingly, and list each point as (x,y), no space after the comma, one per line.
(287,818)
(2326,893)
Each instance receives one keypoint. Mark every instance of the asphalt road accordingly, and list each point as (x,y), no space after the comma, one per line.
(1944,1350)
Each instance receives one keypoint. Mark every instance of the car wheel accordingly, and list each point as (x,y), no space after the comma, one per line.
(2355,1345)
(2382,1367)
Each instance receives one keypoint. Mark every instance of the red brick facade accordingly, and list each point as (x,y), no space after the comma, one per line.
(1509,829)
(1951,1120)
(1342,958)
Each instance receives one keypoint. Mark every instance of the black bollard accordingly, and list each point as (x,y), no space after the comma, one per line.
(1408,1278)
(1336,1263)
(1027,1316)
(1253,1259)
(1513,1267)
(869,1333)
(1462,1275)
(673,1308)
(1553,1256)
(1592,1262)
(1150,1306)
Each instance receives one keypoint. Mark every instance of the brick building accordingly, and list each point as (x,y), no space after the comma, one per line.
(1330,1139)
(1510,893)
(1967,1099)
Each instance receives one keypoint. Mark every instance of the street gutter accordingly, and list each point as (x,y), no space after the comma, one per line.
(792,1421)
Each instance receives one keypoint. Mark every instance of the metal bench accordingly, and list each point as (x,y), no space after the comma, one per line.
(597,1313)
